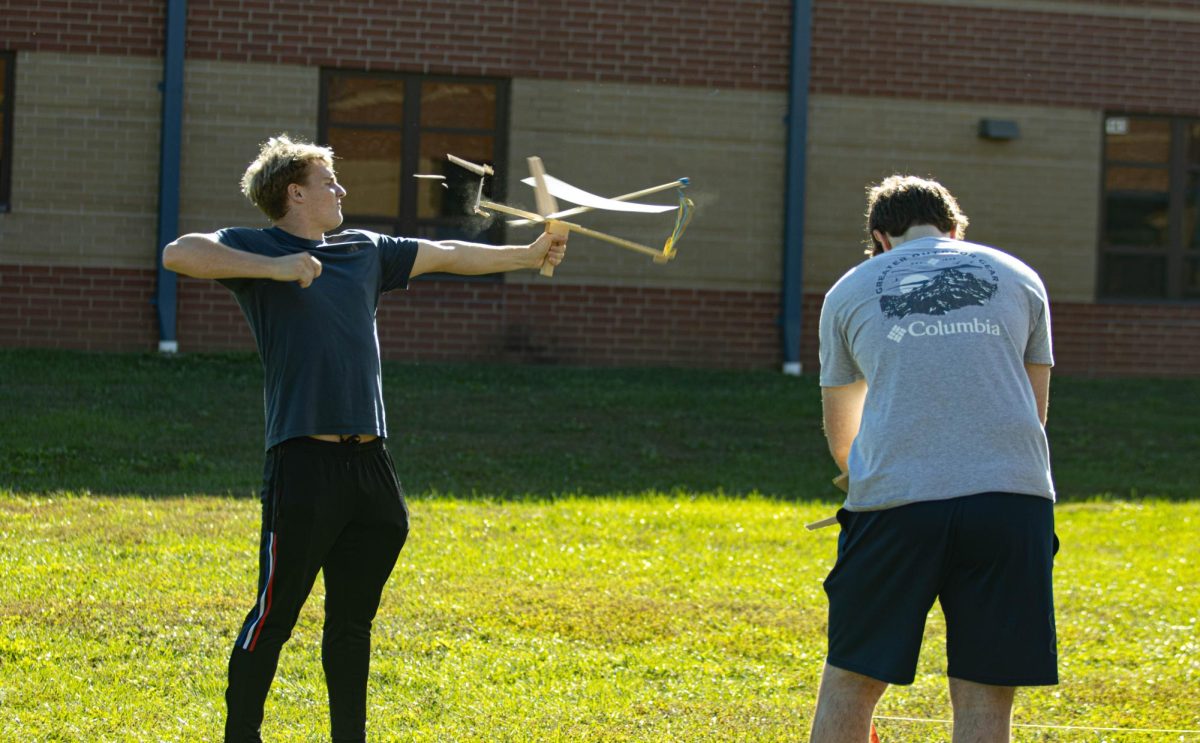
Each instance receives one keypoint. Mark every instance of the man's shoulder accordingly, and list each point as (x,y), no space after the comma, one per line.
(356,235)
(1004,259)
(238,231)
(989,252)
(244,237)
(353,234)
(857,276)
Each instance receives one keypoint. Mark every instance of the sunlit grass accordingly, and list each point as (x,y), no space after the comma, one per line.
(596,555)
(660,616)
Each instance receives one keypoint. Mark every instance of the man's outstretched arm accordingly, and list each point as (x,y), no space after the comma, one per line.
(201,256)
(469,259)
(841,409)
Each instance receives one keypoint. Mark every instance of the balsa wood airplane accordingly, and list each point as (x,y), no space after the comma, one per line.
(546,188)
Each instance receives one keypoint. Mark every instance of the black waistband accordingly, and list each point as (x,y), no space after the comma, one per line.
(351,446)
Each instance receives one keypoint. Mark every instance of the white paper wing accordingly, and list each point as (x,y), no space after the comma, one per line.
(567,192)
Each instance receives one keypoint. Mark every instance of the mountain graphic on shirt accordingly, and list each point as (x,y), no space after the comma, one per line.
(950,289)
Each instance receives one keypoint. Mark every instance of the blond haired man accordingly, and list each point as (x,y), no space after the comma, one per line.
(331,499)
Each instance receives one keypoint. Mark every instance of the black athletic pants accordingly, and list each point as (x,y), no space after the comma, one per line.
(336,507)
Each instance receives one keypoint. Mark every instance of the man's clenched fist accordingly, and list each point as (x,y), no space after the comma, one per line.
(549,248)
(299,267)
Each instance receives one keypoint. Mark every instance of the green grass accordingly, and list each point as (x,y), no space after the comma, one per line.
(154,425)
(590,619)
(597,555)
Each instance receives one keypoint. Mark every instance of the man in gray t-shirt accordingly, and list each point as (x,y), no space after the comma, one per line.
(935,367)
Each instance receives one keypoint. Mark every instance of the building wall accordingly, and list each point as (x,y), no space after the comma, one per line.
(1036,197)
(620,97)
(85,165)
(106,309)
(611,139)
(230,109)
(1009,52)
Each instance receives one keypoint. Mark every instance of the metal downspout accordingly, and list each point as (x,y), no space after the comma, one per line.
(168,168)
(792,299)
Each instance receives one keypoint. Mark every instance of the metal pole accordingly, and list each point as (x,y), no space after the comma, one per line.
(171,145)
(792,294)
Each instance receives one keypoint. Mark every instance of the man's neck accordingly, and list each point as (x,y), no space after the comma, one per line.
(916,232)
(299,227)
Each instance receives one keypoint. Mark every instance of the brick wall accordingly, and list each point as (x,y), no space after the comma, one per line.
(553,324)
(1075,54)
(86,135)
(93,309)
(1126,339)
(742,44)
(1118,8)
(943,52)
(127,27)
(109,310)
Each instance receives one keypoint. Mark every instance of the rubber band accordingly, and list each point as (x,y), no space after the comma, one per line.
(682,218)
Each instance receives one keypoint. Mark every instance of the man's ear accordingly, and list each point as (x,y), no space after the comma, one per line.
(882,239)
(295,192)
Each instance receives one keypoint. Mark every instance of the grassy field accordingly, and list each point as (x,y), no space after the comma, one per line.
(593,619)
(155,425)
(595,556)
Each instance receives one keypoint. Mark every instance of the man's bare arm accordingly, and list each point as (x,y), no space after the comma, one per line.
(201,256)
(1039,378)
(469,259)
(841,409)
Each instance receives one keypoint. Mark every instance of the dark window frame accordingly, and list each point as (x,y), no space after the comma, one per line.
(6,118)
(1174,253)
(406,223)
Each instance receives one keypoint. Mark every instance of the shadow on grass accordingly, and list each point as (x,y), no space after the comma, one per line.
(149,424)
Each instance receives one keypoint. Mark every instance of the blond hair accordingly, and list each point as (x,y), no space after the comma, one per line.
(281,161)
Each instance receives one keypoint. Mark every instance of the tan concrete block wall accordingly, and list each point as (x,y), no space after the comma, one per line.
(85,175)
(612,139)
(1036,197)
(232,108)
(85,161)
(86,149)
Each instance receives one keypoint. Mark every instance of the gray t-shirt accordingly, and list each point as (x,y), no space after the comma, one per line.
(940,329)
(319,345)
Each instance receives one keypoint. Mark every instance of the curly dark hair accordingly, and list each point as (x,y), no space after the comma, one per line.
(901,201)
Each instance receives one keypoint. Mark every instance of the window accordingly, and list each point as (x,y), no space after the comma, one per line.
(7,76)
(1150,234)
(387,128)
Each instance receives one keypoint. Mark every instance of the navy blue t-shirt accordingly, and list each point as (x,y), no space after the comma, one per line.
(319,345)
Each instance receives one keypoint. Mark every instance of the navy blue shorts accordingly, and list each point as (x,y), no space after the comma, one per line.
(987,558)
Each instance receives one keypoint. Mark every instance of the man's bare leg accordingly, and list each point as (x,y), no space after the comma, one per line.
(845,703)
(982,712)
